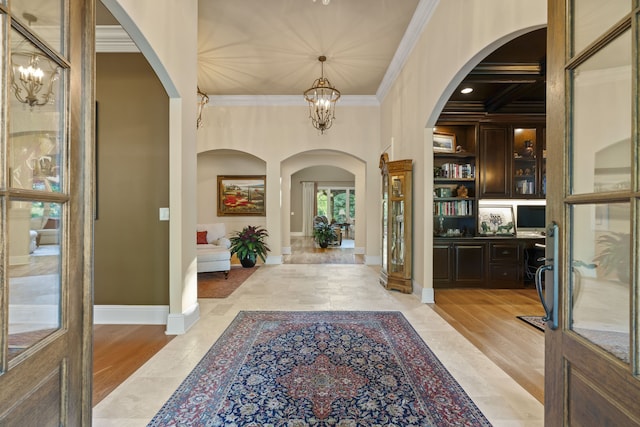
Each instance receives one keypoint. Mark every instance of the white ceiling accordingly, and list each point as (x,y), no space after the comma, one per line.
(271,47)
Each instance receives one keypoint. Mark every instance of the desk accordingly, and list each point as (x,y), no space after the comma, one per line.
(483,262)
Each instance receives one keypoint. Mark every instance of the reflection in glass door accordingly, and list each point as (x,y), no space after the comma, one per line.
(601,174)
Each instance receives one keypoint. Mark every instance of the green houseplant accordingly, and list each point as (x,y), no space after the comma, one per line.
(249,244)
(614,255)
(324,234)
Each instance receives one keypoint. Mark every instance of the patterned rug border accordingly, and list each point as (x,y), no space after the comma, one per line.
(444,398)
(535,321)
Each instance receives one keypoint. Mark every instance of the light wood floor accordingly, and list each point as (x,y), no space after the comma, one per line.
(487,318)
(119,350)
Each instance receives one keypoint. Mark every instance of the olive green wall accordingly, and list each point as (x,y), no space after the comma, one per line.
(131,245)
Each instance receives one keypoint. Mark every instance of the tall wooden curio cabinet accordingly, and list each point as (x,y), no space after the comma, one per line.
(396,224)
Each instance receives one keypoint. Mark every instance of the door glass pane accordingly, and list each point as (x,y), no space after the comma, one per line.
(397,223)
(591,18)
(600,295)
(36,129)
(385,219)
(34,273)
(602,86)
(44,18)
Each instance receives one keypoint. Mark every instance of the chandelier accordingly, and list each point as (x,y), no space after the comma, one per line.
(324,2)
(32,78)
(322,99)
(33,74)
(203,100)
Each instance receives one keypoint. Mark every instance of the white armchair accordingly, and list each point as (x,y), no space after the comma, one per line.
(212,247)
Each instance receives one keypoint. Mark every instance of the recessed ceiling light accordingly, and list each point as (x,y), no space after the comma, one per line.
(466,90)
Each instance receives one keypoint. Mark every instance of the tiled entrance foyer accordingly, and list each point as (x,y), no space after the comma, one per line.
(317,287)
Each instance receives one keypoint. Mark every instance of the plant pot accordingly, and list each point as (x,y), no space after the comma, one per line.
(247,262)
(323,245)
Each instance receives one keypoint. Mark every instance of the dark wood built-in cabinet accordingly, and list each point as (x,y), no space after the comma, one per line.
(512,161)
(484,262)
(492,160)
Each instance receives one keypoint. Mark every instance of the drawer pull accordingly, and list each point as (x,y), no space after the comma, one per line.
(506,252)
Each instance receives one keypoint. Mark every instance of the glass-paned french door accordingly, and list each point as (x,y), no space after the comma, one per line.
(46,186)
(593,201)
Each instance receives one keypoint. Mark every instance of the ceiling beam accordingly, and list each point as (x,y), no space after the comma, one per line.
(509,95)
(510,68)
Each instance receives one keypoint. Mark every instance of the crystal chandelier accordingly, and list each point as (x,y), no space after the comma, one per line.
(322,99)
(324,2)
(32,78)
(203,100)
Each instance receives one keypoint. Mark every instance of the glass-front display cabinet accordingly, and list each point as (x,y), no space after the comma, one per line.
(529,163)
(396,224)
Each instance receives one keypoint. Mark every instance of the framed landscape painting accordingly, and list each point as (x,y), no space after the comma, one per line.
(242,195)
(444,143)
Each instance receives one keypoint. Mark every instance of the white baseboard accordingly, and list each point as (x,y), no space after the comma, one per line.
(130,314)
(373,260)
(297,233)
(428,295)
(178,324)
(274,259)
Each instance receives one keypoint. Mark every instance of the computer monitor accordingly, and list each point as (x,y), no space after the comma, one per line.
(530,218)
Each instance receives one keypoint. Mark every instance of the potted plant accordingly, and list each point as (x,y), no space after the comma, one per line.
(614,255)
(324,234)
(249,244)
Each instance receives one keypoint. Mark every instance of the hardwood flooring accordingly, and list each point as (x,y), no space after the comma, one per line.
(487,318)
(119,350)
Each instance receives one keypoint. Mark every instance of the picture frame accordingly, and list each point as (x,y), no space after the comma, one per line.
(497,220)
(241,195)
(444,143)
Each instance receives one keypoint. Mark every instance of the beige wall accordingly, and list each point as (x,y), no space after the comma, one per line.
(224,162)
(438,62)
(131,244)
(282,136)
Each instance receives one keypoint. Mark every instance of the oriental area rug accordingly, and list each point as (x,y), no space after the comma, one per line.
(272,368)
(214,284)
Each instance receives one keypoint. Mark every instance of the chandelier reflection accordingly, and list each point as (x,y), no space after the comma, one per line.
(322,97)
(33,77)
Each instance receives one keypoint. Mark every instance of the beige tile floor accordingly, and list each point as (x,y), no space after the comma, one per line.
(317,287)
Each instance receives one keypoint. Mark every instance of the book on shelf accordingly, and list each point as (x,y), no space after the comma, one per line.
(457,171)
(453,208)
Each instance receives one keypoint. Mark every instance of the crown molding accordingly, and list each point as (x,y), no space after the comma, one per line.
(286,100)
(421,16)
(113,39)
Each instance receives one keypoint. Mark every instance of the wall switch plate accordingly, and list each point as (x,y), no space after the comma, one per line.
(164,214)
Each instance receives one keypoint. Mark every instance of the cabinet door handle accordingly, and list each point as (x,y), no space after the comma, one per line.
(506,252)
